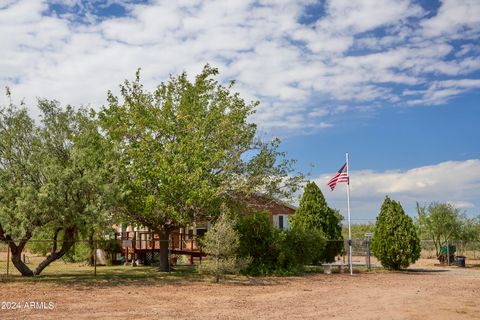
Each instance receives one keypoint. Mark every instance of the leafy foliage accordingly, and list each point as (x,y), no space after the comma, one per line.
(187,147)
(273,251)
(314,215)
(359,230)
(260,241)
(442,222)
(300,247)
(395,241)
(53,178)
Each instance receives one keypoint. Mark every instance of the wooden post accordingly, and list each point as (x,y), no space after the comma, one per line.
(134,245)
(126,248)
(8,260)
(368,254)
(153,246)
(170,242)
(95,259)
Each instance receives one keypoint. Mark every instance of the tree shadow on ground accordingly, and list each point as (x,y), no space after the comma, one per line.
(424,270)
(140,276)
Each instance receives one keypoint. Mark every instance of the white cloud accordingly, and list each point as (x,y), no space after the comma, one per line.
(441,91)
(456,182)
(355,53)
(353,17)
(462,204)
(454,18)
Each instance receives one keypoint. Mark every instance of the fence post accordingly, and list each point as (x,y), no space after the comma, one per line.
(8,260)
(448,253)
(169,254)
(95,258)
(368,254)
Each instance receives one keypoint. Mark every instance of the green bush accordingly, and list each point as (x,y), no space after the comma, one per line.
(41,243)
(39,247)
(110,246)
(260,241)
(395,241)
(277,252)
(300,247)
(79,252)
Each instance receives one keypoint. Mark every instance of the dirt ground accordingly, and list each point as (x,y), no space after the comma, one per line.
(424,292)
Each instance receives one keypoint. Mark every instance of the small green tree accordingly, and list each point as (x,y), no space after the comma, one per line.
(222,244)
(395,241)
(442,222)
(314,214)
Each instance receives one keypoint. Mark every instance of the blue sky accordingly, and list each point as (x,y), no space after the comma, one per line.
(396,83)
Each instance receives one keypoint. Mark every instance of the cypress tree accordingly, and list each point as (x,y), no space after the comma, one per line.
(314,214)
(395,241)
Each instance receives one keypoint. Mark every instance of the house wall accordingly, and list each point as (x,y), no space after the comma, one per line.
(277,209)
(280,213)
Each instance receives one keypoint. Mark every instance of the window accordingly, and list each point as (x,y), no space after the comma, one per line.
(280,221)
(201,231)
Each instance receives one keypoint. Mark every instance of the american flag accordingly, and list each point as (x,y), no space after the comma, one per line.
(341,176)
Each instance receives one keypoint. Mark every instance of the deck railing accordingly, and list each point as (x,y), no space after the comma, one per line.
(144,240)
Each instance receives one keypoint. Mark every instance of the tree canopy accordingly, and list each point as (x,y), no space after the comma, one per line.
(52,178)
(442,222)
(187,147)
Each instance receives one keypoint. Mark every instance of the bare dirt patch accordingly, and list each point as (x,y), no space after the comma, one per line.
(424,292)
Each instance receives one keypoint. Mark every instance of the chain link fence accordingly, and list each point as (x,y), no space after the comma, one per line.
(447,254)
(4,260)
(361,253)
(79,260)
(100,257)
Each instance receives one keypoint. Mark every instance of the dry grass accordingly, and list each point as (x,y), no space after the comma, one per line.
(423,292)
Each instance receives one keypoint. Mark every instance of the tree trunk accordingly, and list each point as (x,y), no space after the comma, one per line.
(17,251)
(164,244)
(67,243)
(91,258)
(17,258)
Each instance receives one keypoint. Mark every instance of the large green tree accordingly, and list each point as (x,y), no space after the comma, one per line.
(395,241)
(52,178)
(314,214)
(185,148)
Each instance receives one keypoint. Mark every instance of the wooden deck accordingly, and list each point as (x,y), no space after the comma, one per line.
(146,245)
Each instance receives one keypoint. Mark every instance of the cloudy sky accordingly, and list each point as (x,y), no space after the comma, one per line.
(396,83)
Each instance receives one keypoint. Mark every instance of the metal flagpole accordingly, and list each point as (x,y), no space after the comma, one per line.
(349,224)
